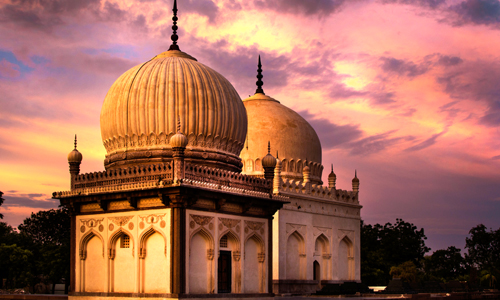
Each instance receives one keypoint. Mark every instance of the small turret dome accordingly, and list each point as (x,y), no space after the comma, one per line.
(75,156)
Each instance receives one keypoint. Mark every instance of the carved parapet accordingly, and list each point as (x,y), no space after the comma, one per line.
(220,178)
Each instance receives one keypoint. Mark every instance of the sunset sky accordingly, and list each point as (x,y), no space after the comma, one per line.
(405,91)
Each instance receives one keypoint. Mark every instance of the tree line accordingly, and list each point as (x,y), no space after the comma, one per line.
(398,250)
(37,252)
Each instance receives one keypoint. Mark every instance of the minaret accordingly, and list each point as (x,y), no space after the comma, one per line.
(259,82)
(355,182)
(277,176)
(74,160)
(178,142)
(269,163)
(332,178)
(174,36)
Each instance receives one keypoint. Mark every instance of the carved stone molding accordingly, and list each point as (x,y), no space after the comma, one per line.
(229,223)
(343,232)
(253,225)
(91,223)
(236,255)
(290,228)
(322,230)
(201,220)
(152,219)
(121,221)
(261,257)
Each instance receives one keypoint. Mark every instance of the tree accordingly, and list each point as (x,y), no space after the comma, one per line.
(50,232)
(15,265)
(407,271)
(445,264)
(483,248)
(383,247)
(1,202)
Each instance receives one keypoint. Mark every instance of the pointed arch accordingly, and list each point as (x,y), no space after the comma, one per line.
(291,165)
(324,242)
(144,236)
(323,256)
(154,276)
(201,260)
(300,166)
(115,236)
(232,236)
(284,165)
(258,164)
(346,259)
(84,240)
(254,267)
(295,256)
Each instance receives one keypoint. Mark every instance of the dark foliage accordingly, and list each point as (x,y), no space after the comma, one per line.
(391,245)
(483,253)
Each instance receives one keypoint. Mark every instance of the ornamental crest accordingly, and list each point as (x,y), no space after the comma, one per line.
(202,220)
(254,225)
(120,221)
(152,219)
(229,223)
(92,222)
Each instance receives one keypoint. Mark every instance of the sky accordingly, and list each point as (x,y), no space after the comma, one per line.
(406,92)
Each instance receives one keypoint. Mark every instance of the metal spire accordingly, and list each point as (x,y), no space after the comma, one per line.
(277,154)
(174,36)
(259,77)
(178,124)
(332,168)
(75,141)
(268,147)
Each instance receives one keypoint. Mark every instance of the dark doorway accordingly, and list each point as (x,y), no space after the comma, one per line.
(224,272)
(316,271)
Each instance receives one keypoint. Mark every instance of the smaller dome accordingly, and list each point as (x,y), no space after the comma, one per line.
(269,161)
(75,156)
(332,174)
(179,140)
(355,179)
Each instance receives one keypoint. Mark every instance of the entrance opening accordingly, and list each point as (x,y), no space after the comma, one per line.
(224,272)
(316,271)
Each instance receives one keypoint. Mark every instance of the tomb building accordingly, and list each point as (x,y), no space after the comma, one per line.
(189,203)
(316,238)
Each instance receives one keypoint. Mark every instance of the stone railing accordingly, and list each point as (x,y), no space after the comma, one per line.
(318,191)
(218,177)
(123,177)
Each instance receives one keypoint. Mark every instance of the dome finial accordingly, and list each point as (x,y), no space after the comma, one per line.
(268,147)
(277,154)
(174,36)
(332,168)
(259,77)
(178,124)
(75,141)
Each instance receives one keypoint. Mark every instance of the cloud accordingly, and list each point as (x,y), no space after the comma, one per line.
(8,69)
(480,12)
(206,8)
(448,61)
(476,81)
(376,143)
(300,7)
(426,143)
(433,4)
(29,200)
(330,134)
(402,67)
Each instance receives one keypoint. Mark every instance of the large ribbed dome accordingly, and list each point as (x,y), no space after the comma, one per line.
(140,113)
(293,137)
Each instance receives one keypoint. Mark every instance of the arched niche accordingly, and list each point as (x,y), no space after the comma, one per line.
(295,256)
(154,265)
(258,164)
(121,247)
(201,258)
(254,264)
(92,262)
(346,259)
(323,254)
(234,246)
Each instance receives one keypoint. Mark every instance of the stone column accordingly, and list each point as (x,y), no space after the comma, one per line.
(178,245)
